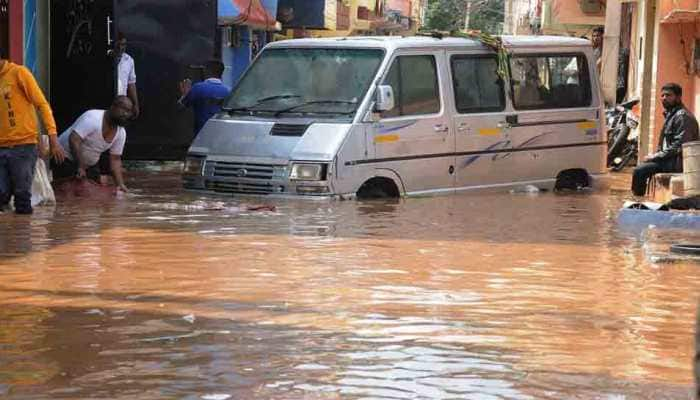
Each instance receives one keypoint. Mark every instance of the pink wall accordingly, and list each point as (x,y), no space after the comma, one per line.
(402,5)
(666,6)
(672,66)
(569,12)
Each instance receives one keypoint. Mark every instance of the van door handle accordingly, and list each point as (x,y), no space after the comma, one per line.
(504,125)
(441,128)
(463,127)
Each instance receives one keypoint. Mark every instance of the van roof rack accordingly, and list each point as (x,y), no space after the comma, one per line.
(495,43)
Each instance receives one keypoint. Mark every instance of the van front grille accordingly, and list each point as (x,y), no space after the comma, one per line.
(242,178)
(242,170)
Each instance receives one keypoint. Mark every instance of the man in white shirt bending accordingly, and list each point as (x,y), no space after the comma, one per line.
(95,132)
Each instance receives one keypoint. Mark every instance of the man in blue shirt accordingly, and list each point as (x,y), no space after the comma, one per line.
(207,97)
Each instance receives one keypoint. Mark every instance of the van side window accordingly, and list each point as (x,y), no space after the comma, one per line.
(477,86)
(550,81)
(415,83)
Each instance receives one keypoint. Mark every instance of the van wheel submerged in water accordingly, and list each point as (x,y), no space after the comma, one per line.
(572,179)
(378,188)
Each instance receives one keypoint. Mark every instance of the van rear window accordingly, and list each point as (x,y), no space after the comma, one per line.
(550,81)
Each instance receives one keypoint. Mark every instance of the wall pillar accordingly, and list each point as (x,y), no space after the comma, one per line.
(611,50)
(648,60)
(16,51)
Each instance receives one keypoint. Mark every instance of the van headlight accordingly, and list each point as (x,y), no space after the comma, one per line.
(307,172)
(194,165)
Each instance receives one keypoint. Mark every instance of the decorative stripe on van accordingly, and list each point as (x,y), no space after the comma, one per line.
(474,153)
(386,138)
(570,121)
(489,131)
(393,128)
(588,125)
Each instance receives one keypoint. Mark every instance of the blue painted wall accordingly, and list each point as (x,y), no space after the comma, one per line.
(30,21)
(236,59)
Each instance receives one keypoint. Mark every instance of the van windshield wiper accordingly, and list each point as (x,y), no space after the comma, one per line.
(307,103)
(261,101)
(275,97)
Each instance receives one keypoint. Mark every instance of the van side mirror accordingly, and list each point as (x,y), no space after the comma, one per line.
(385,98)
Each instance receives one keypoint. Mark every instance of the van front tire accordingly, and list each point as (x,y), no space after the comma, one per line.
(378,188)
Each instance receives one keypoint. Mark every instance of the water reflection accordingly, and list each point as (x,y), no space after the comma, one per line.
(485,296)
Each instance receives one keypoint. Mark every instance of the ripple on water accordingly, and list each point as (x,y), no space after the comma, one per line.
(483,296)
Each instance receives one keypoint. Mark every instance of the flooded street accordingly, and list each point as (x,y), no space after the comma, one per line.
(480,296)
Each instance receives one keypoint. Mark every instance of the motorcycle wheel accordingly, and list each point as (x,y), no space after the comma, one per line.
(625,160)
(618,143)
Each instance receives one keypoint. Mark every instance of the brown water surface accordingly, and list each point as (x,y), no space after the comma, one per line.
(169,294)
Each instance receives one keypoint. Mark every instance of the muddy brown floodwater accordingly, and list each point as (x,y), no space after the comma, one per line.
(173,295)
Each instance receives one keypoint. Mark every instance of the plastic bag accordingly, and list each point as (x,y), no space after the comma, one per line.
(42,192)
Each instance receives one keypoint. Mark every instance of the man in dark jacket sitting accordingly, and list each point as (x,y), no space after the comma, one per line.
(679,127)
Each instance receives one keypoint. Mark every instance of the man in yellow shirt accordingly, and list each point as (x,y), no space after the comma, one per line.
(20,96)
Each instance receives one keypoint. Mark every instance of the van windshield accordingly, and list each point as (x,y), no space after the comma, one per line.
(306,82)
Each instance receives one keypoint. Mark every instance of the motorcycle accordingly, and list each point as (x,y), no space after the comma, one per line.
(631,146)
(623,134)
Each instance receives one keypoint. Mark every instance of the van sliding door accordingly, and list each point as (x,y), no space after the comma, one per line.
(480,108)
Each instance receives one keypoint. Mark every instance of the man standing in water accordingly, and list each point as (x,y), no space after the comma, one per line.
(126,74)
(20,96)
(125,80)
(95,132)
(679,127)
(206,98)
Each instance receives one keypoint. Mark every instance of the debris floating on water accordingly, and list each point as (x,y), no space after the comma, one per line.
(216,396)
(529,189)
(189,318)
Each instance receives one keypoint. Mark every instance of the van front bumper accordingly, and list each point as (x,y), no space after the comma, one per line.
(253,179)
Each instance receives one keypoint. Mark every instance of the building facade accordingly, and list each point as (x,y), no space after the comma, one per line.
(350,17)
(647,43)
(651,43)
(553,17)
(245,27)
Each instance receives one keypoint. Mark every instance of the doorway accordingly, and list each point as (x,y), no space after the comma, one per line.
(81,69)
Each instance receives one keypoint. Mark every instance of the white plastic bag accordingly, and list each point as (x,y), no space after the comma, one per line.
(42,192)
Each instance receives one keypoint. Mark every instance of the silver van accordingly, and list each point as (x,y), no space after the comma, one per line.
(395,116)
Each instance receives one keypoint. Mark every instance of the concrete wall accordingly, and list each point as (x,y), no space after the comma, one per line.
(569,13)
